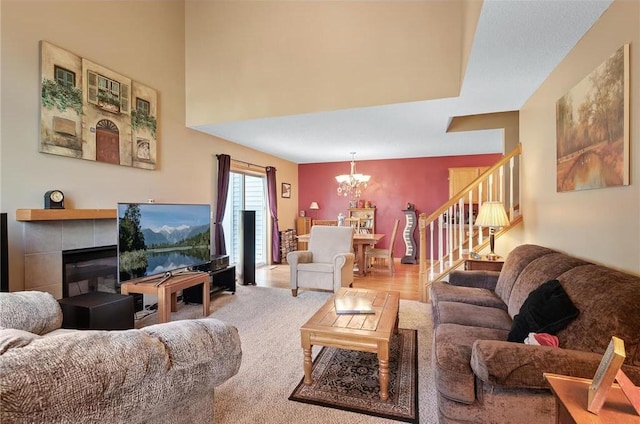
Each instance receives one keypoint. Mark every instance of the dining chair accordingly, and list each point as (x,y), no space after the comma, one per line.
(355,223)
(374,253)
(329,222)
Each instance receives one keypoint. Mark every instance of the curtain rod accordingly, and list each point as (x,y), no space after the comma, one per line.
(249,163)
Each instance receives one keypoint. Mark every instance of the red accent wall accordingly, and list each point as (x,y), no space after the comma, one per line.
(394,182)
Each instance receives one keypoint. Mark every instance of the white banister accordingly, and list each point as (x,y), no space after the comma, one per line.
(451,229)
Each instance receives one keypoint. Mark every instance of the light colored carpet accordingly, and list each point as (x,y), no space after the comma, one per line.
(268,321)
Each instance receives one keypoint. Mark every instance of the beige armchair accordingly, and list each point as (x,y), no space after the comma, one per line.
(328,262)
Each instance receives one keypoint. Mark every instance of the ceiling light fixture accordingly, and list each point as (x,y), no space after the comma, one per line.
(353,183)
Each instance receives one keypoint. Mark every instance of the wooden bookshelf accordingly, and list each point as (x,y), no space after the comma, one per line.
(63,214)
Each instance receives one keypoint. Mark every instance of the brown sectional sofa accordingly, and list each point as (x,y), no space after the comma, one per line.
(482,378)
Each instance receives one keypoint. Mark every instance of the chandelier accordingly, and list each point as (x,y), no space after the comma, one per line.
(352,184)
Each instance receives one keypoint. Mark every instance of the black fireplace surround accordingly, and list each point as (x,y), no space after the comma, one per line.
(92,269)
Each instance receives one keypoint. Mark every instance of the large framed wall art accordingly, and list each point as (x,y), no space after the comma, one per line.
(592,127)
(91,112)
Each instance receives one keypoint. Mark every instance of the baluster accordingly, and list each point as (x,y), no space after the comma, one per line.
(511,209)
(431,250)
(460,226)
(470,214)
(440,243)
(501,192)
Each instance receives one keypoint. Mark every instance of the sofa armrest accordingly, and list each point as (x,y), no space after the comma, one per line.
(476,279)
(117,376)
(520,365)
(33,311)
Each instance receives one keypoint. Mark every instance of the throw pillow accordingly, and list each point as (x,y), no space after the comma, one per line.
(547,309)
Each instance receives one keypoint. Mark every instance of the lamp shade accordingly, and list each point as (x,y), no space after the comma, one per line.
(492,214)
(314,206)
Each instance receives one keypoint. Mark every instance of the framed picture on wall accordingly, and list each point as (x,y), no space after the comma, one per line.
(592,128)
(286,190)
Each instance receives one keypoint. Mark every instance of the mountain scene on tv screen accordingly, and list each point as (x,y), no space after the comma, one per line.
(154,239)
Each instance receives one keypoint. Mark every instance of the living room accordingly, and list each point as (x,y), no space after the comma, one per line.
(595,225)
(582,223)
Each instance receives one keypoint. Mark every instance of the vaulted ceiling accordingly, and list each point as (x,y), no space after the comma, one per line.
(313,81)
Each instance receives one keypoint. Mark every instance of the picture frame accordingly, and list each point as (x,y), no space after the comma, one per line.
(286,190)
(605,374)
(592,128)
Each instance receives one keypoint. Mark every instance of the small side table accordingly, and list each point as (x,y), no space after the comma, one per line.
(97,311)
(166,290)
(483,264)
(572,395)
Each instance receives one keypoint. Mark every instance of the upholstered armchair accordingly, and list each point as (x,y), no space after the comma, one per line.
(328,262)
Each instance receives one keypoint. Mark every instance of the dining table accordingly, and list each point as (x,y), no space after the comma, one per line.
(360,243)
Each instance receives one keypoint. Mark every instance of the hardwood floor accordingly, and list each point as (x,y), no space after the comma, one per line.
(405,279)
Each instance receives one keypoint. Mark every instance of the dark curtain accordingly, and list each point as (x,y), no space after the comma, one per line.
(224,165)
(272,195)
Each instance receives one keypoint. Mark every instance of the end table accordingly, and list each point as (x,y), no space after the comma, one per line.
(572,397)
(483,264)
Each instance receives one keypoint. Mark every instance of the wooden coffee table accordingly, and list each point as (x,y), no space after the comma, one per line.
(167,291)
(362,332)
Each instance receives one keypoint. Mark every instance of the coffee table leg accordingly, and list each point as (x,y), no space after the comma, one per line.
(383,370)
(307,366)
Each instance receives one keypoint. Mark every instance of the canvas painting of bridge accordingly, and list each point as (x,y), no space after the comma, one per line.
(592,128)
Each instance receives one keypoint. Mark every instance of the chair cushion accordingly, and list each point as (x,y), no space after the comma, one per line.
(326,242)
(316,267)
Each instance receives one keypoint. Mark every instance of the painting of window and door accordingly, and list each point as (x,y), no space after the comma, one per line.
(91,112)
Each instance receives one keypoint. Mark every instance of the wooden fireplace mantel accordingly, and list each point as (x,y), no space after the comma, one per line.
(63,214)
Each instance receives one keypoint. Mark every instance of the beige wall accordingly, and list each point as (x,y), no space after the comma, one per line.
(252,59)
(142,40)
(600,225)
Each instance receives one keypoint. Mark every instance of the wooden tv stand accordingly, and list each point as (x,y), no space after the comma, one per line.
(167,291)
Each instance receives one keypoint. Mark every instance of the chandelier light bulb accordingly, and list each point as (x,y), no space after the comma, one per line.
(353,183)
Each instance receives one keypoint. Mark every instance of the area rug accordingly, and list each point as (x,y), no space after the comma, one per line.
(348,380)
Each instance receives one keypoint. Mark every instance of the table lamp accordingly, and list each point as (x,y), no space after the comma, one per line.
(492,215)
(314,207)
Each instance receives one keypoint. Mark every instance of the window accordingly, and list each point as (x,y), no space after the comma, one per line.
(246,192)
(143,106)
(103,90)
(65,77)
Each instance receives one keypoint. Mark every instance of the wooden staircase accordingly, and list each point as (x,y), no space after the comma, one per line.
(447,235)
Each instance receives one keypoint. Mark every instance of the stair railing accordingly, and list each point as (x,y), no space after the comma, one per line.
(448,233)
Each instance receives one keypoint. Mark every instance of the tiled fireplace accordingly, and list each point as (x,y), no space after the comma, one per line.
(44,242)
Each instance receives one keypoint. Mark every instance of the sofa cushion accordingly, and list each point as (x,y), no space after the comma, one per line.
(444,292)
(33,311)
(548,309)
(473,315)
(452,358)
(11,338)
(610,306)
(515,263)
(542,269)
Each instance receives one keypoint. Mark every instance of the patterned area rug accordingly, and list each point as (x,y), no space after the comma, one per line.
(348,380)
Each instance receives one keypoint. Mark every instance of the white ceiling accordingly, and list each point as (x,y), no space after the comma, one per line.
(516,46)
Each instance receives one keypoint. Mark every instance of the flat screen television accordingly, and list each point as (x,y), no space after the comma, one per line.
(159,239)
